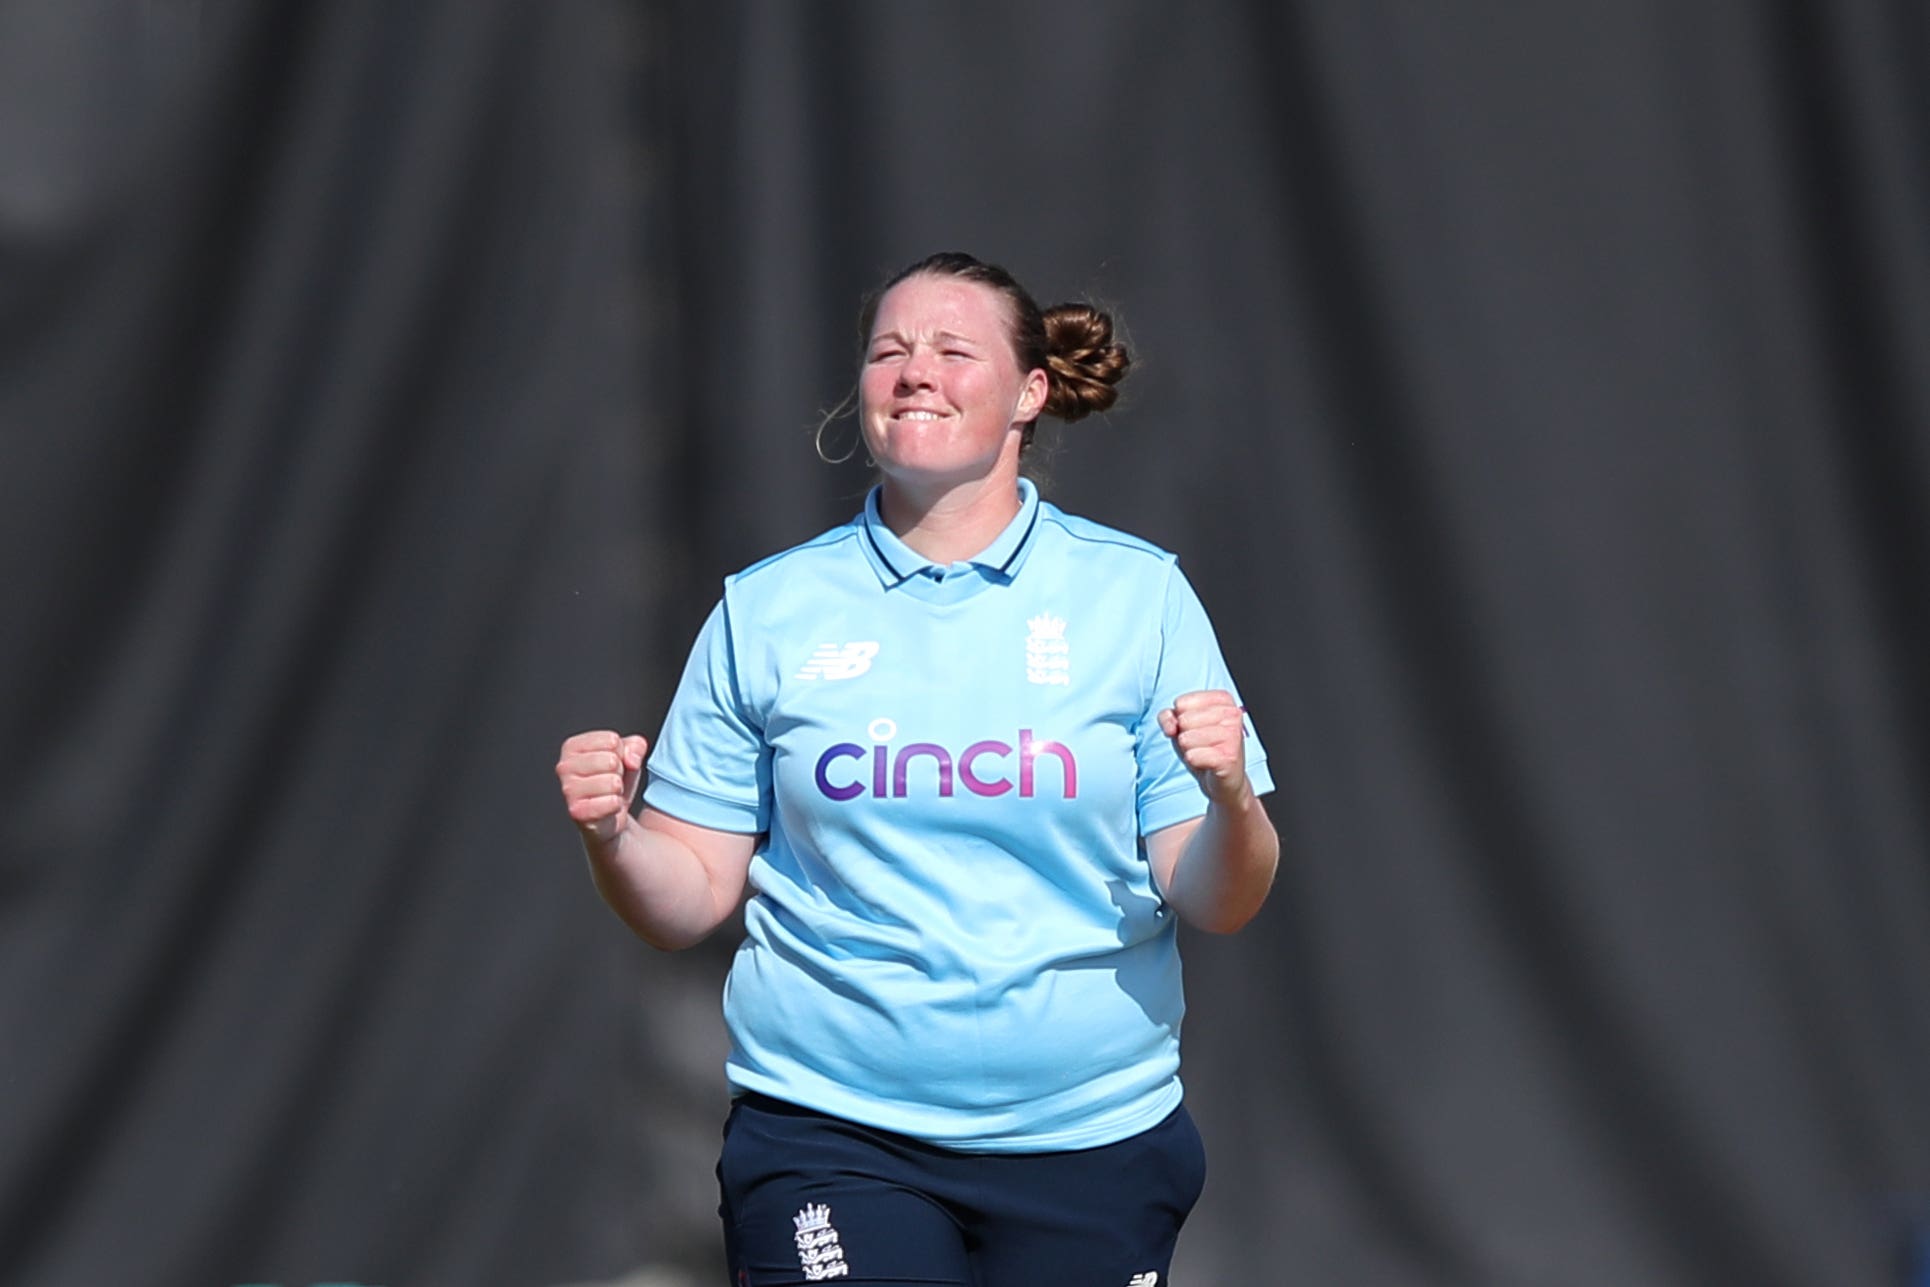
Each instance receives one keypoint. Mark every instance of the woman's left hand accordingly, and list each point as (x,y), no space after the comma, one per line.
(1208,729)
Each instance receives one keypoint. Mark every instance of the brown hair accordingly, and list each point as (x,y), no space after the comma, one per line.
(1072,343)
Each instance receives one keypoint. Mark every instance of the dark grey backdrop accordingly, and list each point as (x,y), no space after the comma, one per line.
(1536,394)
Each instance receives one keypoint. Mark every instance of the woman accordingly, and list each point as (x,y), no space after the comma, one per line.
(970,755)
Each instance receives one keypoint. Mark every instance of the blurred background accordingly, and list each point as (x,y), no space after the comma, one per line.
(1538,395)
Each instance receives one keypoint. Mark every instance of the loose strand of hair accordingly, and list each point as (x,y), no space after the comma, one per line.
(845,407)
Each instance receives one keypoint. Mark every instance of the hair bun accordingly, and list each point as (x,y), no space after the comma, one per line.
(1082,362)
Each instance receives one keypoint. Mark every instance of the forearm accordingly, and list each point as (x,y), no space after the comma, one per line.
(1226,867)
(658,886)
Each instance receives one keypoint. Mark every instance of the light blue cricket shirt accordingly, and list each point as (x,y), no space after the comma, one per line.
(953,931)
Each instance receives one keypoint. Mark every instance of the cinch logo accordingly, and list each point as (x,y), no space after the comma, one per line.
(890,773)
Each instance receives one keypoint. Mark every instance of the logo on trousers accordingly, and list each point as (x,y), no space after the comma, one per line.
(819,1252)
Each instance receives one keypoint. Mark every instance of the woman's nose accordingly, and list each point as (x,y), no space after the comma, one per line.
(915,372)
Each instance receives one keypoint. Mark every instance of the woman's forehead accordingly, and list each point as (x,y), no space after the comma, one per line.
(930,304)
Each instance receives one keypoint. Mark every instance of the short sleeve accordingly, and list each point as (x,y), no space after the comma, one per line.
(1188,660)
(711,765)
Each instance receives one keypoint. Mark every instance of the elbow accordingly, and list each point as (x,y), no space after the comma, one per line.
(1230,918)
(1233,905)
(673,934)
(669,942)
(666,935)
(1225,924)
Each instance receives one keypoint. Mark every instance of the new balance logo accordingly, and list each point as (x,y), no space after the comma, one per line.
(839,661)
(1148,1279)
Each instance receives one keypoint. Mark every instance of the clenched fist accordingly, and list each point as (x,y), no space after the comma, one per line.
(600,772)
(1208,729)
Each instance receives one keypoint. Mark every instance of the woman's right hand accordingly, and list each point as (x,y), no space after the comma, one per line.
(599,772)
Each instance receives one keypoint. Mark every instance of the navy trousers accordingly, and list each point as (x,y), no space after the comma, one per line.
(810,1198)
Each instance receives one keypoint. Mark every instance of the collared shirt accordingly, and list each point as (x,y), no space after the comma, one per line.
(953,931)
(897,562)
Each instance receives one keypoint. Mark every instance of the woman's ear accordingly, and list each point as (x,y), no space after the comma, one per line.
(1032,395)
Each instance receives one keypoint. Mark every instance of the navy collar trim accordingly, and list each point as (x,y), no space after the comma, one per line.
(896,560)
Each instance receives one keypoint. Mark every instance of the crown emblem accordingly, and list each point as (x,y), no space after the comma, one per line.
(813,1217)
(1048,657)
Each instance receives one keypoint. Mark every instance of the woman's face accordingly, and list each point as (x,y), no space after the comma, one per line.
(941,398)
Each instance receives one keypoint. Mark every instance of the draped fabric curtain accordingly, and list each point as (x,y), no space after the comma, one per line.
(1536,396)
